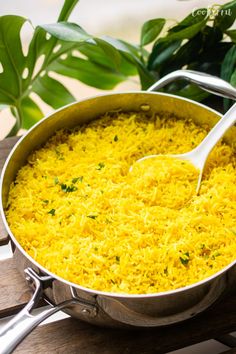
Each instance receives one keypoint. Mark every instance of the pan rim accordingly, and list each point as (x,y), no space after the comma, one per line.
(77,286)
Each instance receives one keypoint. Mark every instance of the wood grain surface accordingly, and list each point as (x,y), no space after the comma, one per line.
(14,292)
(73,336)
(5,147)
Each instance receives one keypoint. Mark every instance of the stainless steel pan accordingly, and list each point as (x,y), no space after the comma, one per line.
(103,308)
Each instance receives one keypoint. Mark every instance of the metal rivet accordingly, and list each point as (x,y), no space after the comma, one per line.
(145,107)
(86,311)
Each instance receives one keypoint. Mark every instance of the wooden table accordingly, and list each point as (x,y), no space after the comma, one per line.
(74,336)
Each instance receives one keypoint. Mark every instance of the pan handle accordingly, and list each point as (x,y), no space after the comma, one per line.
(24,322)
(209,83)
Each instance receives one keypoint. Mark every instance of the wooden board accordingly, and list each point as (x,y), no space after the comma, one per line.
(73,336)
(5,148)
(14,290)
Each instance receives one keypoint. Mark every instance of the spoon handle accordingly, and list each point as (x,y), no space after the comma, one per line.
(204,148)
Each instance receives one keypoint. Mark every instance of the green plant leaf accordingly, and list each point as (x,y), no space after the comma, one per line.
(66,10)
(52,92)
(31,113)
(192,92)
(233,79)
(67,31)
(87,69)
(183,56)
(12,64)
(96,55)
(208,54)
(194,18)
(228,64)
(21,75)
(110,51)
(131,54)
(232,35)
(18,77)
(162,52)
(227,70)
(226,16)
(211,36)
(185,33)
(151,29)
(88,72)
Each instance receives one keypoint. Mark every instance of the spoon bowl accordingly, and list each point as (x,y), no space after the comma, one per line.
(198,156)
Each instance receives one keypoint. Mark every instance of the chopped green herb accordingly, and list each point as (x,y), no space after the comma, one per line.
(184,258)
(52,212)
(59,154)
(216,254)
(100,166)
(95,249)
(76,179)
(117,259)
(45,201)
(71,189)
(56,180)
(63,187)
(116,138)
(67,189)
(92,216)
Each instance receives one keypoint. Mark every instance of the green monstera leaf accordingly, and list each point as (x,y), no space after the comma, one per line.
(124,57)
(21,75)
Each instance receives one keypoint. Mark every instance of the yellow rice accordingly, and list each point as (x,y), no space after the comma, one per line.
(79,212)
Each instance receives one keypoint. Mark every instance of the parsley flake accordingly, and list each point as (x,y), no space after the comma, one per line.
(185,258)
(100,166)
(60,156)
(76,179)
(68,189)
(52,212)
(92,216)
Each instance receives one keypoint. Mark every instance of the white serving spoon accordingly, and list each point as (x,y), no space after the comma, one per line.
(199,155)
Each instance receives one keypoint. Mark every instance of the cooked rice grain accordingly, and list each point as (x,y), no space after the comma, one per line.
(77,210)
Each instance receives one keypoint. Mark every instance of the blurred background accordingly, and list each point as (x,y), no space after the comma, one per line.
(121,19)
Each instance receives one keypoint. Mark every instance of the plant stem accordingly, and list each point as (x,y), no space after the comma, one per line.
(18,116)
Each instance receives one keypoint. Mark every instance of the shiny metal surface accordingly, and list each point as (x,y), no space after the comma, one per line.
(103,308)
(24,321)
(199,155)
(212,84)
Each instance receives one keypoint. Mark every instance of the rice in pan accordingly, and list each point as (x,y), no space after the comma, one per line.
(79,212)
